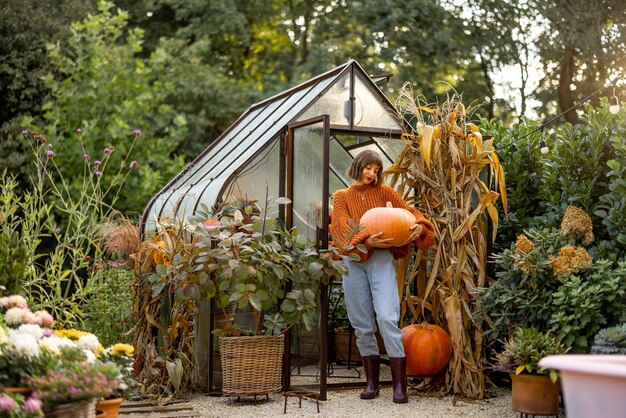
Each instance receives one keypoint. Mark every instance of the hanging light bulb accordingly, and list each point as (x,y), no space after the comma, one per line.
(614,104)
(543,147)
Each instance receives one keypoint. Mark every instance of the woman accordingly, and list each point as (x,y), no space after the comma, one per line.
(370,287)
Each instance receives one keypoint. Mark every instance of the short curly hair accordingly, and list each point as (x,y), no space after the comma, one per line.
(362,160)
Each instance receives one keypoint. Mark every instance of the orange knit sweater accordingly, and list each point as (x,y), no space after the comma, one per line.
(351,203)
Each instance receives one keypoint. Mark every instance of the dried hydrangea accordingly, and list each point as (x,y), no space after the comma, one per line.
(571,259)
(524,245)
(577,224)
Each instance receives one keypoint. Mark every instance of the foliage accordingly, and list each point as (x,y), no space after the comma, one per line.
(611,340)
(548,281)
(13,251)
(237,255)
(108,312)
(103,88)
(583,168)
(58,228)
(445,163)
(523,350)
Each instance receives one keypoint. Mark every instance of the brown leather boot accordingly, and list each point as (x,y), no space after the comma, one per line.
(371,365)
(398,379)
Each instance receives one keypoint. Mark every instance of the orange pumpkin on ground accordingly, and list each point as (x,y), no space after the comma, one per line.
(428,349)
(393,222)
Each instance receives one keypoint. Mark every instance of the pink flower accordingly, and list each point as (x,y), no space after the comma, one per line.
(79,131)
(134,165)
(47,332)
(98,173)
(44,318)
(7,404)
(137,132)
(32,405)
(50,153)
(108,150)
(86,158)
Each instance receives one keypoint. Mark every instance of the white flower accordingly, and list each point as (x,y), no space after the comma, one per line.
(32,329)
(3,335)
(54,342)
(14,316)
(91,357)
(89,342)
(24,345)
(13,301)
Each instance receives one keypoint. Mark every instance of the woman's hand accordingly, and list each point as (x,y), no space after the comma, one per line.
(417,231)
(375,241)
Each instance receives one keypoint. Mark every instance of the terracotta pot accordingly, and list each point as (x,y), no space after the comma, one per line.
(110,406)
(343,343)
(534,394)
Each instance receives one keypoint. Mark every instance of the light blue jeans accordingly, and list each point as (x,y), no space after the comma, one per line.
(371,293)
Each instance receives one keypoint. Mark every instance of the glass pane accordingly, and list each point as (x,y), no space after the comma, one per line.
(340,160)
(307,179)
(334,103)
(370,109)
(258,178)
(390,146)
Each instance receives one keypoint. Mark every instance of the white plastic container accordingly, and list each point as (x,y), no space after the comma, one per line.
(592,385)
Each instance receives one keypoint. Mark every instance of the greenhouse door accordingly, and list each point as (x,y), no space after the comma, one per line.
(306,156)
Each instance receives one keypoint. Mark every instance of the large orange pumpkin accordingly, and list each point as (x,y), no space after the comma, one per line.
(428,349)
(393,222)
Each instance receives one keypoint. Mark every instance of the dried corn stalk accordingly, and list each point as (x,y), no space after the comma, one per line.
(457,178)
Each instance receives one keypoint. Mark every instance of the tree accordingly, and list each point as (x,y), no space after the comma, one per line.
(102,89)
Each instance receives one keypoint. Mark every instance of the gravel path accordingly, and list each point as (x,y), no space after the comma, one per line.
(346,403)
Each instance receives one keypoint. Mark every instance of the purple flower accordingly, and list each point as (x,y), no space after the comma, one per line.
(114,265)
(32,405)
(134,165)
(7,404)
(335,291)
(57,230)
(86,158)
(108,150)
(50,153)
(98,173)
(47,332)
(137,132)
(24,132)
(97,163)
(79,131)
(50,146)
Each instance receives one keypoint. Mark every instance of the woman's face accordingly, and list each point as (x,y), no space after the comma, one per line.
(369,173)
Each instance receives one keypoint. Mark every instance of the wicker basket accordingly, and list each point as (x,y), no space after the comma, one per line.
(252,365)
(86,409)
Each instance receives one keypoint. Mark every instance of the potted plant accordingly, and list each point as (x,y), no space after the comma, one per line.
(251,259)
(535,390)
(121,355)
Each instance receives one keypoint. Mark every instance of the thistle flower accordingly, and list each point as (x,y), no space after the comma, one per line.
(50,154)
(137,132)
(24,132)
(576,224)
(571,259)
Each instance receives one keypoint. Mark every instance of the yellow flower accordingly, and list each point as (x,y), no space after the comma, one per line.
(571,259)
(577,224)
(120,348)
(524,245)
(72,334)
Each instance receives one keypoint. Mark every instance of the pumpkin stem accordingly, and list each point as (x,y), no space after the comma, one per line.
(389,205)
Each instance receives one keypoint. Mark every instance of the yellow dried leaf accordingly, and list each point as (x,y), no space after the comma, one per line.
(426,143)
